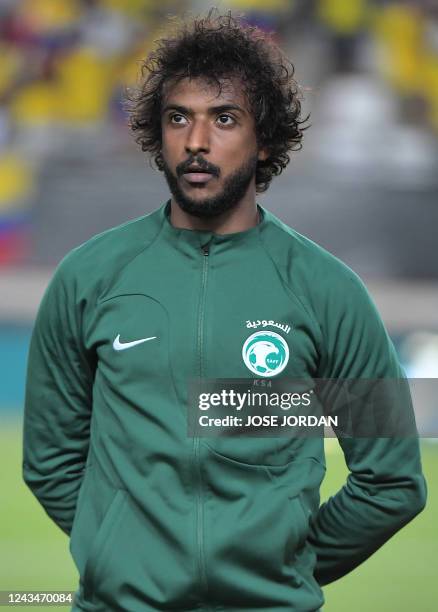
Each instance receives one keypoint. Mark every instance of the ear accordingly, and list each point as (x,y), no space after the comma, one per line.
(159,161)
(263,154)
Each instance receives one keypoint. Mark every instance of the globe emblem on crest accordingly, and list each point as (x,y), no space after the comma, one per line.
(265,353)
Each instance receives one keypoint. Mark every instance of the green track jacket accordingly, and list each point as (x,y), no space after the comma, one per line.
(159,520)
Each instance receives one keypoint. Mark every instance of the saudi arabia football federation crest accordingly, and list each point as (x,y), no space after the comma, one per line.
(265,353)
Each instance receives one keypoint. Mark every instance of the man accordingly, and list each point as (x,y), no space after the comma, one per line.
(159,519)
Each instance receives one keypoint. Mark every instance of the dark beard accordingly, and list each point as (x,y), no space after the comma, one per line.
(235,187)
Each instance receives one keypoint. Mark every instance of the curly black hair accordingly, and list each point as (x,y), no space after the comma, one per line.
(217,48)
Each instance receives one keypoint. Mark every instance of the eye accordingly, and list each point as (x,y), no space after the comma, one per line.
(226,119)
(178,119)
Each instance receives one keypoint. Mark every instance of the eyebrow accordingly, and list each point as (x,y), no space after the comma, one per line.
(212,109)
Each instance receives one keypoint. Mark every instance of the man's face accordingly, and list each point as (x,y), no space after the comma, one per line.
(209,146)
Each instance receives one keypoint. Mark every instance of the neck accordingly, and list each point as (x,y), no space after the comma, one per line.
(240,218)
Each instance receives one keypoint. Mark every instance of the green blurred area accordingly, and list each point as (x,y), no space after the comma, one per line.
(399,577)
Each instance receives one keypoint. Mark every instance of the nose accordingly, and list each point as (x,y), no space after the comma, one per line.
(198,140)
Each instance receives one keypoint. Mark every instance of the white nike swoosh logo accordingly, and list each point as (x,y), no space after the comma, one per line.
(121,346)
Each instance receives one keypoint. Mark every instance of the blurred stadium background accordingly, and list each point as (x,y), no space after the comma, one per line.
(365,186)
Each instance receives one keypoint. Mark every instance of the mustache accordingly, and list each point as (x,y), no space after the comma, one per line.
(198,161)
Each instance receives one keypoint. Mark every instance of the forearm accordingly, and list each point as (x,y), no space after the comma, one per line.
(56,492)
(55,448)
(366,512)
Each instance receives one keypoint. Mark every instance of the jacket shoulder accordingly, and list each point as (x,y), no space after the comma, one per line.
(107,252)
(306,266)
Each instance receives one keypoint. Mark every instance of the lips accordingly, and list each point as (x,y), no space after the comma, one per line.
(197,175)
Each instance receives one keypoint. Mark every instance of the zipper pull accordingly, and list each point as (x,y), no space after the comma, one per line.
(206,248)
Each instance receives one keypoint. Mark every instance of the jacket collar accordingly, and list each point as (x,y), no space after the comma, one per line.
(190,240)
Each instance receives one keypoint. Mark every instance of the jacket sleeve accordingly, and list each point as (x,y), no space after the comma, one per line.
(57,403)
(385,488)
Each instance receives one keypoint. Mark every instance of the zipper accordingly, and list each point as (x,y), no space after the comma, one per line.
(197,464)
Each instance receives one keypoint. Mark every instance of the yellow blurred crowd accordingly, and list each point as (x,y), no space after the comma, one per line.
(405,34)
